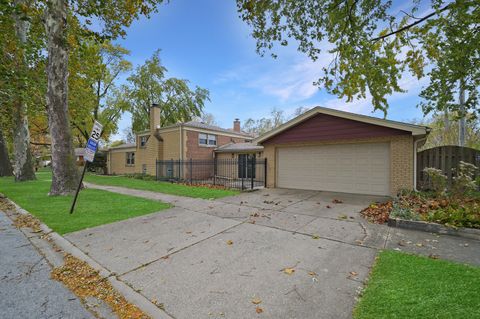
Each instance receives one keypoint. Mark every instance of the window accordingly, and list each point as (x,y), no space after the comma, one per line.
(207,139)
(202,139)
(130,158)
(143,140)
(212,140)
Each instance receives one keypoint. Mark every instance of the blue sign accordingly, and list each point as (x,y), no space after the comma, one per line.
(91,145)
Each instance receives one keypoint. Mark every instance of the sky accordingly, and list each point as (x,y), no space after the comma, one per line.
(206,42)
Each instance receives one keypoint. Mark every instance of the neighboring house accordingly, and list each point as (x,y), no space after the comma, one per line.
(182,141)
(330,150)
(79,152)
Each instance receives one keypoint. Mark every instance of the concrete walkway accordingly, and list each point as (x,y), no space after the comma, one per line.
(26,289)
(211,259)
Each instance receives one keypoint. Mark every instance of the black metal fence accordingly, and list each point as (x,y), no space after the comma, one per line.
(241,173)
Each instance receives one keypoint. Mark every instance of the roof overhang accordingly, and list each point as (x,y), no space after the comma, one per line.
(416,130)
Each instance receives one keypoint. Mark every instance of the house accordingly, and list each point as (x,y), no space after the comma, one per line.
(330,150)
(178,142)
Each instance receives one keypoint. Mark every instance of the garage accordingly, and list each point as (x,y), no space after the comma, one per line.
(331,150)
(351,168)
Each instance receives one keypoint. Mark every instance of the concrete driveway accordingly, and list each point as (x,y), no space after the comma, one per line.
(211,259)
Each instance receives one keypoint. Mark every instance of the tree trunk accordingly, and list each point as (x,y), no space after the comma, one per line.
(24,161)
(462,113)
(5,165)
(64,170)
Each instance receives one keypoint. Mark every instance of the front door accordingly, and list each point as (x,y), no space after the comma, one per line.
(246,165)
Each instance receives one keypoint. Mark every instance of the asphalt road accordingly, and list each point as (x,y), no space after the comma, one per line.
(26,289)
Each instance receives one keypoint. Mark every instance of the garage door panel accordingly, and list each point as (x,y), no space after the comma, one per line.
(353,168)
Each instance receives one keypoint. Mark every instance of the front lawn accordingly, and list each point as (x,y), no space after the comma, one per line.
(408,286)
(161,187)
(94,207)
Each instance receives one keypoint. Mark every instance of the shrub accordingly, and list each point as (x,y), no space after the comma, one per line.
(437,179)
(464,182)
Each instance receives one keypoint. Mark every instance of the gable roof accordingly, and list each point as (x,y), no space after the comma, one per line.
(125,145)
(416,130)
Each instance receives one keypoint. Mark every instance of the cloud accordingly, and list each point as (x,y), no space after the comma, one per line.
(290,83)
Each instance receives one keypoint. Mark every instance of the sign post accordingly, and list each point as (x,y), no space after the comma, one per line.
(88,156)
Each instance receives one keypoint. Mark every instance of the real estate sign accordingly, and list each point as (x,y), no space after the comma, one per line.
(92,143)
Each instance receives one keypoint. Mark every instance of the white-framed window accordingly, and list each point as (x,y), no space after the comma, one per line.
(212,140)
(202,139)
(207,139)
(130,158)
(143,141)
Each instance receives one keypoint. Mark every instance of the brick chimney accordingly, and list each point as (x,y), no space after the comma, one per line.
(154,118)
(236,125)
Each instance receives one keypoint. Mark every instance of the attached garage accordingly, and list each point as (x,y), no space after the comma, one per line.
(350,168)
(336,151)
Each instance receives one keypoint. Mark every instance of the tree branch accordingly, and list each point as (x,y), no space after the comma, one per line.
(428,16)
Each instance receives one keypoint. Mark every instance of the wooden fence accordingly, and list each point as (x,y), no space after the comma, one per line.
(445,158)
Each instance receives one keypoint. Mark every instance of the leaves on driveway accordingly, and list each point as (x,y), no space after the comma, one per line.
(229,242)
(256,301)
(258,310)
(336,201)
(288,271)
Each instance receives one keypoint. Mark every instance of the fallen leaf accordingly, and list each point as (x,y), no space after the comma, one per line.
(433,256)
(315,237)
(289,271)
(229,242)
(352,274)
(258,310)
(312,273)
(343,216)
(328,206)
(336,201)
(256,301)
(419,244)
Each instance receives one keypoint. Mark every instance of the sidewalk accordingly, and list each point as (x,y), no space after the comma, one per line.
(26,289)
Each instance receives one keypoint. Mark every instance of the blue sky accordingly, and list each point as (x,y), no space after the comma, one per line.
(206,42)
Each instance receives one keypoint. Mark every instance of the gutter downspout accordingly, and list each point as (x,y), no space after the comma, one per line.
(415,147)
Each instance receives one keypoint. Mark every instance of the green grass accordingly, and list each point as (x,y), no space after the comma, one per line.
(161,187)
(408,286)
(94,207)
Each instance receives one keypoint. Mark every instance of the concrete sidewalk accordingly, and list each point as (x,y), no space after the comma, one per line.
(213,259)
(26,289)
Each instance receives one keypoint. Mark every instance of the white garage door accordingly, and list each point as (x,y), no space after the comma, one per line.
(348,168)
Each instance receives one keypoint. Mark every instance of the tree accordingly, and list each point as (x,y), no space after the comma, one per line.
(5,165)
(94,68)
(113,16)
(441,135)
(208,118)
(149,85)
(128,135)
(371,46)
(299,111)
(264,124)
(24,161)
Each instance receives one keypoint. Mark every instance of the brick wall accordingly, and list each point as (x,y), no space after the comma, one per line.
(196,151)
(401,159)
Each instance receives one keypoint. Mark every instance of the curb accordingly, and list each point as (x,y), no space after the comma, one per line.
(470,233)
(56,260)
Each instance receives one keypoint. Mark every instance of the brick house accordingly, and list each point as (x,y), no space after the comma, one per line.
(181,141)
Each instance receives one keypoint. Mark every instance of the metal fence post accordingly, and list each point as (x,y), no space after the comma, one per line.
(215,170)
(191,171)
(251,171)
(265,173)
